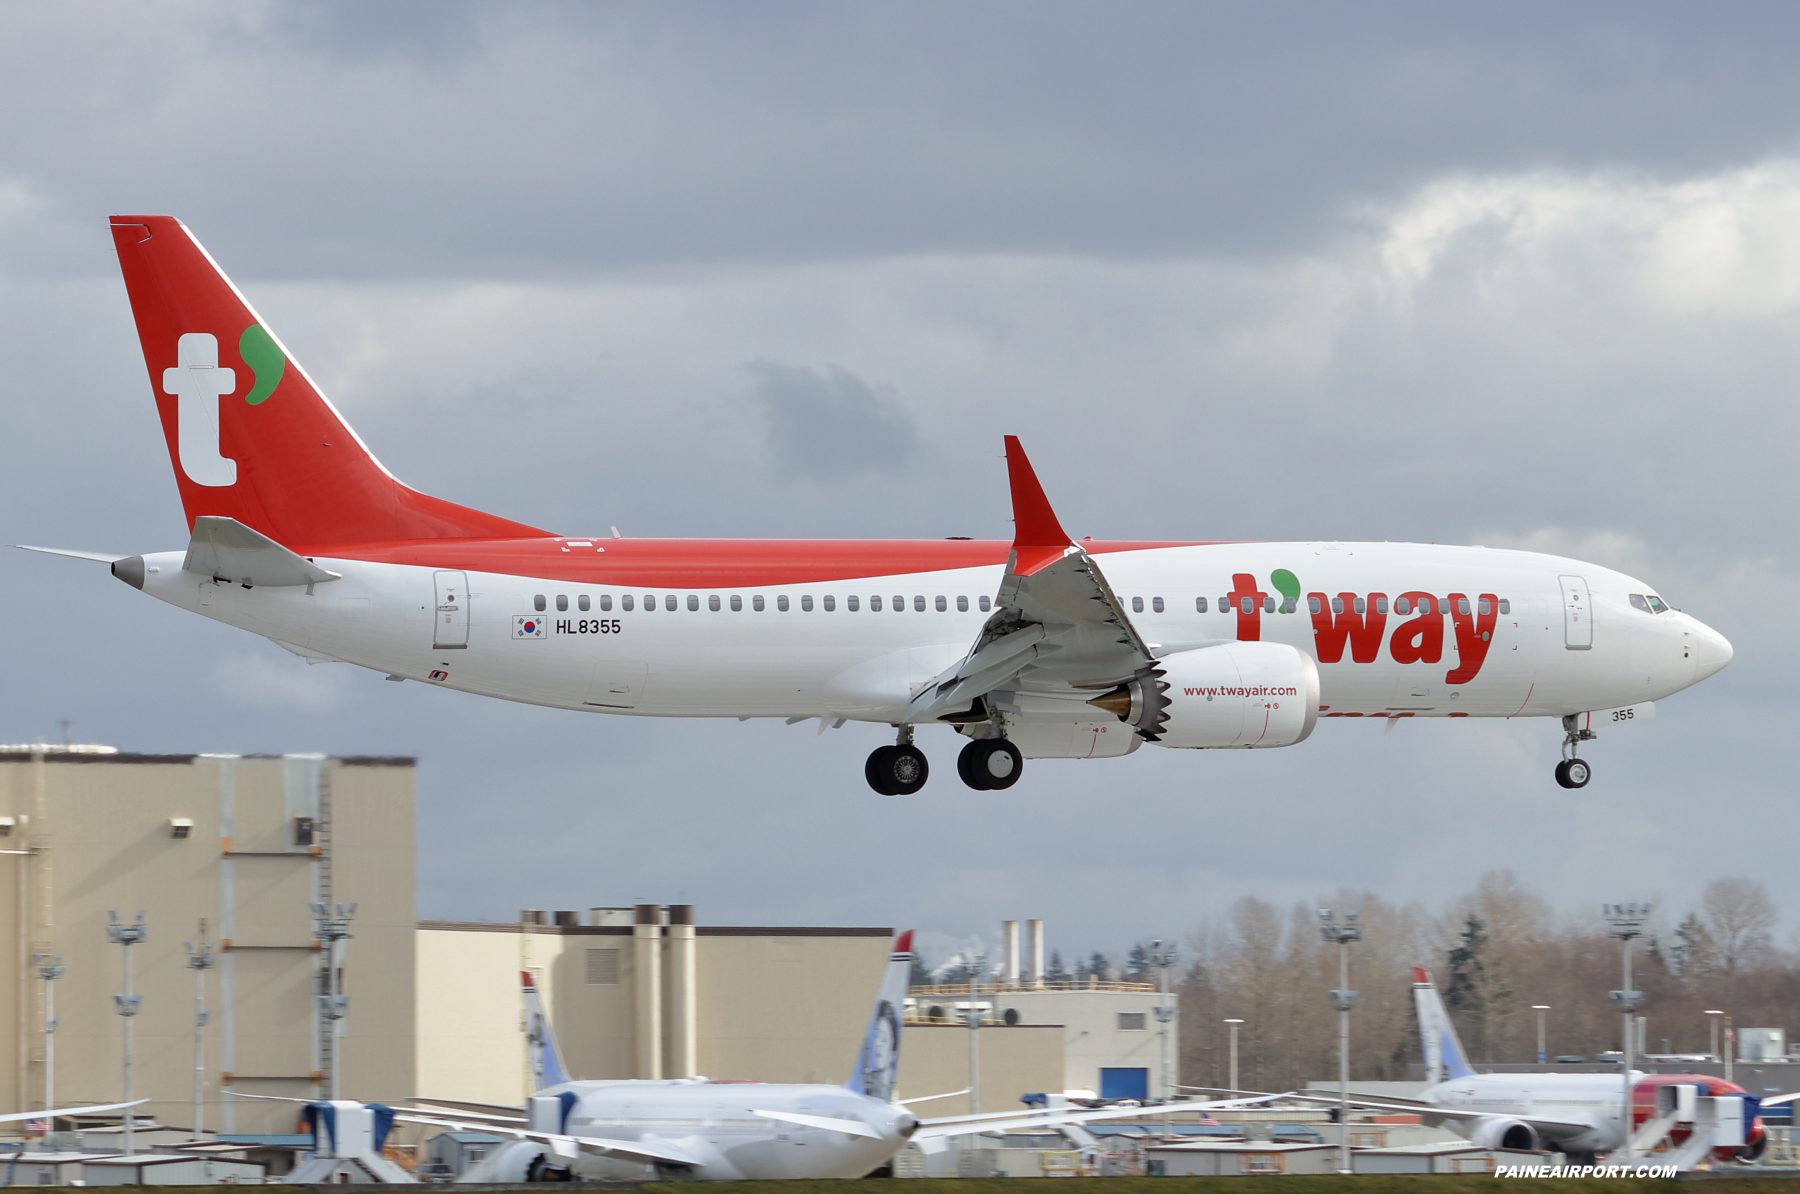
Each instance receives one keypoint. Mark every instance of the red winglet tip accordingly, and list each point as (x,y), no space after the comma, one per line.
(526,975)
(1038,537)
(904,944)
(1421,976)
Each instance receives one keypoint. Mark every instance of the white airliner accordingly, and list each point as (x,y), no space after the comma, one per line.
(692,1128)
(1044,647)
(1577,1114)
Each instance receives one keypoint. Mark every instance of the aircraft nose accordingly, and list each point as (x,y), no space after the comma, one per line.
(1711,650)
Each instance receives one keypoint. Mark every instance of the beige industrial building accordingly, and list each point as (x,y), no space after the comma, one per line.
(245,845)
(236,851)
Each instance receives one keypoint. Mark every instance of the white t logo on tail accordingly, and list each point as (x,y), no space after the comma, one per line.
(198,383)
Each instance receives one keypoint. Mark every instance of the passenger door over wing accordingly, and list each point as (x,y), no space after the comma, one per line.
(451,621)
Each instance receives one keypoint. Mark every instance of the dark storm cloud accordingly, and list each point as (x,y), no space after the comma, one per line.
(828,424)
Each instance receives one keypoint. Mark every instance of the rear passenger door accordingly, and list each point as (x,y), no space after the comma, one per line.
(451,620)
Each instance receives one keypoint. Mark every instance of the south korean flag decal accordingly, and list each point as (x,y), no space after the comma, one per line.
(530,626)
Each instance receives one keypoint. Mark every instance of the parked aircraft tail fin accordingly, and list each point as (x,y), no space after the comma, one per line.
(251,436)
(1444,1056)
(546,1059)
(879,1062)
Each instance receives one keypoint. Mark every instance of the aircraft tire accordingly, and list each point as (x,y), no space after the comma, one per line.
(1574,773)
(897,770)
(876,770)
(969,764)
(994,762)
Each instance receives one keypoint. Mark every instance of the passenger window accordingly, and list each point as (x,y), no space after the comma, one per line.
(712,603)
(1287,605)
(1381,606)
(984,605)
(781,602)
(606,603)
(1486,607)
(538,603)
(1337,607)
(1638,602)
(1268,605)
(1505,606)
(1137,605)
(899,603)
(1462,606)
(1314,604)
(1402,606)
(756,603)
(1357,604)
(962,604)
(941,603)
(918,604)
(650,602)
(737,603)
(875,607)
(830,603)
(1156,605)
(850,603)
(806,603)
(562,603)
(581,603)
(1657,606)
(625,603)
(1200,605)
(693,603)
(1224,605)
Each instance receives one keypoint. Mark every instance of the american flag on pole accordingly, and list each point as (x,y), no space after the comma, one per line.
(40,1126)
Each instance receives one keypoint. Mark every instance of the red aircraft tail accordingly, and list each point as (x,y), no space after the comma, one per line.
(249,434)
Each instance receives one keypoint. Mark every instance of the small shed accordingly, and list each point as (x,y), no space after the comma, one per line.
(168,1169)
(1240,1158)
(1460,1157)
(457,1151)
(50,1168)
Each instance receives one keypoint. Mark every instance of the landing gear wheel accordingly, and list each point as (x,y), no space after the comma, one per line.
(1573,773)
(897,770)
(988,764)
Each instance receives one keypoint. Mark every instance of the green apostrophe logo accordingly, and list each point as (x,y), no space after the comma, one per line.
(1288,585)
(265,358)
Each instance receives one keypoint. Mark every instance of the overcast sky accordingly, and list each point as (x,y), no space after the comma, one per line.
(1523,274)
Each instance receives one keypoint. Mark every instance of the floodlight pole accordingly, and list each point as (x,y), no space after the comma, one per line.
(333,925)
(1540,1009)
(1342,999)
(1626,922)
(126,1004)
(199,960)
(49,969)
(1234,1069)
(974,1022)
(1162,959)
(1712,1018)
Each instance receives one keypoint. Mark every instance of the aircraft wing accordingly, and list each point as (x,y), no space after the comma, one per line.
(16,1116)
(1007,1121)
(850,1127)
(1779,1100)
(1420,1108)
(1056,621)
(568,1147)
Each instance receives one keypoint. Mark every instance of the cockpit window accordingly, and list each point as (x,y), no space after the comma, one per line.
(1638,602)
(1657,606)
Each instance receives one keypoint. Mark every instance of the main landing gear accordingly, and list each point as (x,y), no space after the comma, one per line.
(1574,772)
(988,764)
(897,770)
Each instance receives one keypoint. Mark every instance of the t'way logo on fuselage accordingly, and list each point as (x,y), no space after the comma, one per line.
(1360,623)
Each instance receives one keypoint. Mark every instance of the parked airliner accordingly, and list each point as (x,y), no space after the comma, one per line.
(1581,1115)
(1042,647)
(696,1129)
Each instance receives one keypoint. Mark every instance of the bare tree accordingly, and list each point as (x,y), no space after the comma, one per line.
(1741,920)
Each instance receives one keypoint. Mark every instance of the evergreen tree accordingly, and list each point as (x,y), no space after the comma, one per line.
(920,974)
(1137,964)
(1099,966)
(1056,972)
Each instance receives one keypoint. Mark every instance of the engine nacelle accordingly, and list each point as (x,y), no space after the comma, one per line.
(1234,694)
(1497,1132)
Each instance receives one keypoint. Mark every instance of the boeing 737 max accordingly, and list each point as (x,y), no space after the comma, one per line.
(1044,647)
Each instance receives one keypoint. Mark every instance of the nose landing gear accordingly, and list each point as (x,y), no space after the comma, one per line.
(1574,772)
(898,770)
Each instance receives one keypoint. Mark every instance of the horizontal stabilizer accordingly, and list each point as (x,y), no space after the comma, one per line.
(225,549)
(67,1111)
(99,557)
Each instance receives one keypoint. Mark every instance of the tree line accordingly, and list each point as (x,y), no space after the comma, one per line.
(1494,952)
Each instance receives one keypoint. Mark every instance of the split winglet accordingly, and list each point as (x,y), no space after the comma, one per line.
(1038,538)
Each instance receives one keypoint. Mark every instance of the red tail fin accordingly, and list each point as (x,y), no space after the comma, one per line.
(249,434)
